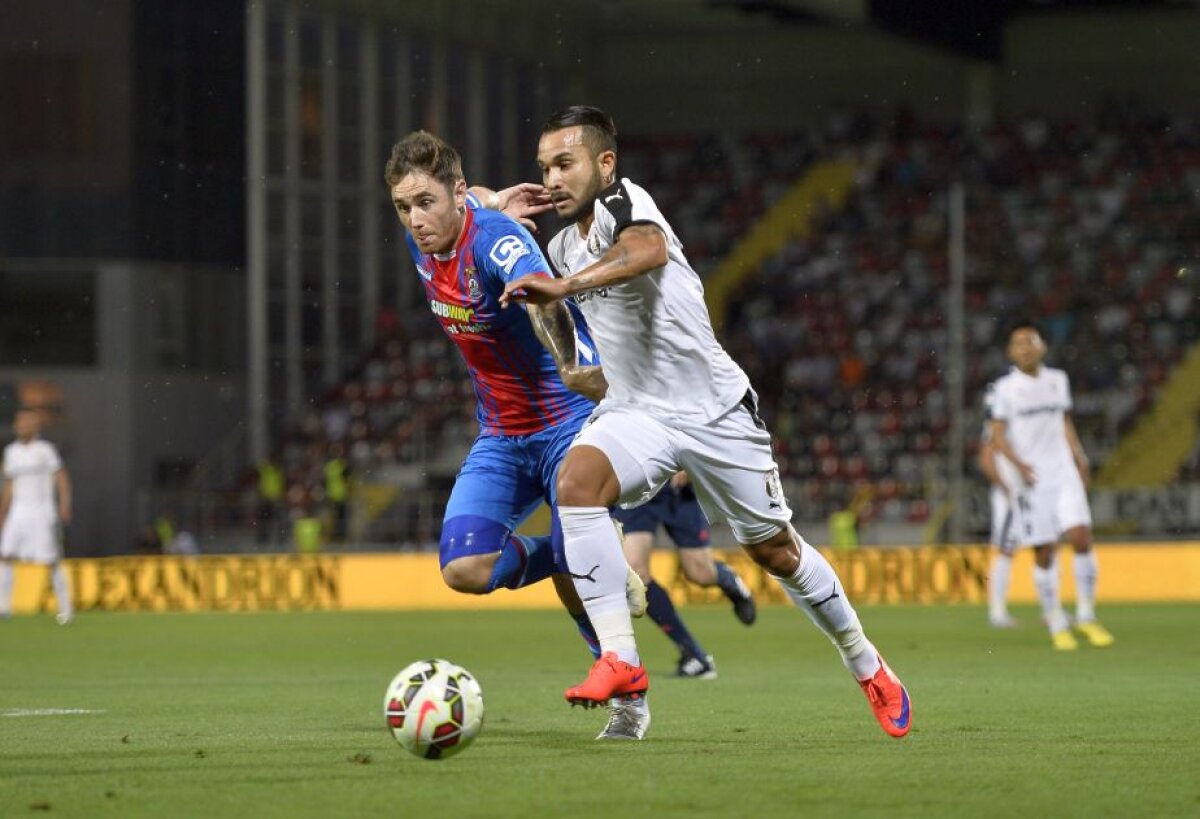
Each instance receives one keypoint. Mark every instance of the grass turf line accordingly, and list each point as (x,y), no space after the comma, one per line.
(280,715)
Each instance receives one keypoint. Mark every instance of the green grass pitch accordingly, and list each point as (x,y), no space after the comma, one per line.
(281,715)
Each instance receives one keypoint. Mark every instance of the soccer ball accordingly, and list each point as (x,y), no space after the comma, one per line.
(434,708)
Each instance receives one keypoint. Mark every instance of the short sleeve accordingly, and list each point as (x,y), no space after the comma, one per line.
(512,253)
(623,204)
(1068,404)
(7,464)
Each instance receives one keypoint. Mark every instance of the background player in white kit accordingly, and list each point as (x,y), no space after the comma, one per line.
(1006,528)
(675,401)
(1031,426)
(29,515)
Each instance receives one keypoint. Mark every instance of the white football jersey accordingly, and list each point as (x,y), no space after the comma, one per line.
(1034,408)
(654,335)
(31,469)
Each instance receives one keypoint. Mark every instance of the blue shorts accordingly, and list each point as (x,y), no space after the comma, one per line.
(502,481)
(677,510)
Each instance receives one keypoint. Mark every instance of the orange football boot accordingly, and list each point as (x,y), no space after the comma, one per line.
(889,700)
(608,678)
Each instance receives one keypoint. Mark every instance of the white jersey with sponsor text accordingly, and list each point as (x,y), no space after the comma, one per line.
(1034,408)
(31,467)
(654,334)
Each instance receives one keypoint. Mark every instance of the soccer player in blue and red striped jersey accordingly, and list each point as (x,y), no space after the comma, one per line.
(533,371)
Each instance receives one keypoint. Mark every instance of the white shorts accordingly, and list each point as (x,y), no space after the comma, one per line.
(1006,527)
(729,462)
(1047,509)
(30,536)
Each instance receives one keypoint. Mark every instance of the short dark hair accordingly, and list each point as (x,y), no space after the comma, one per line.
(599,130)
(1023,324)
(422,151)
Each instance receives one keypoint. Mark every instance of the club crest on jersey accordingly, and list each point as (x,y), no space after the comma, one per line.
(774,490)
(473,288)
(593,243)
(506,252)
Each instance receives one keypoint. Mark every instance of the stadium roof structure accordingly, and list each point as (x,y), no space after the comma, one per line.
(967,27)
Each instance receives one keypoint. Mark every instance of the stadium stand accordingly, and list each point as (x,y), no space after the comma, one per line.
(1084,226)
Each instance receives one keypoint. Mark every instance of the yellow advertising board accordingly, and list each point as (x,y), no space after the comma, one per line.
(1143,572)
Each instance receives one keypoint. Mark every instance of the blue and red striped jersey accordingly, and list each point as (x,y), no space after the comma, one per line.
(517,387)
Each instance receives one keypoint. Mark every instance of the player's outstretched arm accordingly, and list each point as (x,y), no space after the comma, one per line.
(521,202)
(554,327)
(639,249)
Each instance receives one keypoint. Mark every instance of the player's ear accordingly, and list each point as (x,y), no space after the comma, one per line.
(460,195)
(607,161)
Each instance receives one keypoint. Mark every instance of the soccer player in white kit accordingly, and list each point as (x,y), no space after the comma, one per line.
(675,401)
(29,516)
(1005,537)
(1031,426)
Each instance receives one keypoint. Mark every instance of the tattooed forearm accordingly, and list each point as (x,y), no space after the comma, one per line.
(554,327)
(614,261)
(638,250)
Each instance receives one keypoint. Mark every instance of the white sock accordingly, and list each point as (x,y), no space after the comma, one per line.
(816,590)
(1087,570)
(6,584)
(598,571)
(1046,582)
(998,583)
(62,590)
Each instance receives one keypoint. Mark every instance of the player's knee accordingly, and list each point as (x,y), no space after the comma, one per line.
(576,488)
(778,554)
(700,572)
(586,478)
(468,548)
(467,575)
(636,547)
(642,569)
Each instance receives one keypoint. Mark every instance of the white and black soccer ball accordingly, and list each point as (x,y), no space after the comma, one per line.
(434,708)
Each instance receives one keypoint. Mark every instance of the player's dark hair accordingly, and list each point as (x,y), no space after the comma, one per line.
(1023,324)
(422,151)
(599,130)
